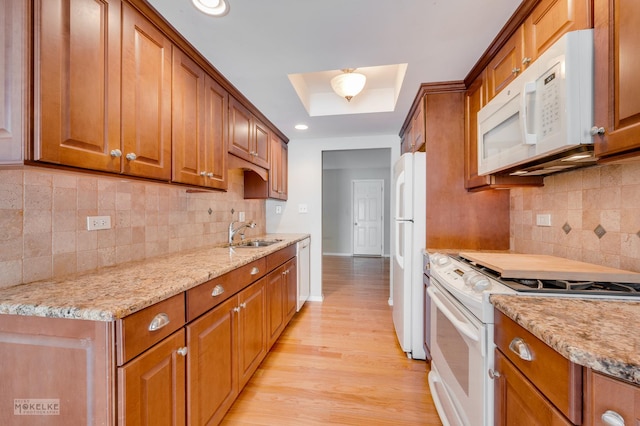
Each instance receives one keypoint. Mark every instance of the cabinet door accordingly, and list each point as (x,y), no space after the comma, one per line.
(252,336)
(77,83)
(260,144)
(291,293)
(212,378)
(275,178)
(13,55)
(418,127)
(608,397)
(187,115)
(216,101)
(146,97)
(506,65)
(518,402)
(275,304)
(549,21)
(151,388)
(240,143)
(617,66)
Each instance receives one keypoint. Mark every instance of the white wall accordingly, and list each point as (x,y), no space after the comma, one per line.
(305,187)
(337,207)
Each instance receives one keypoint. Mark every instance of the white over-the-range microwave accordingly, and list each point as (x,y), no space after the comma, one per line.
(541,123)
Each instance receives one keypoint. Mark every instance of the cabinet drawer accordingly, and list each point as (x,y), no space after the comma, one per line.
(556,377)
(278,258)
(207,295)
(141,330)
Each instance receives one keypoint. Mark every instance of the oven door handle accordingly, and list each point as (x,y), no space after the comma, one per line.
(462,327)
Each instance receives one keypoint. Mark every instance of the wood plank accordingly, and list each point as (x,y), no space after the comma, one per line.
(540,266)
(339,362)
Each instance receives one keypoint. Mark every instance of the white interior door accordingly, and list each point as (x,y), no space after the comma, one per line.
(368,217)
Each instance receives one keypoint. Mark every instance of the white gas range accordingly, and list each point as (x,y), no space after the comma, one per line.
(460,317)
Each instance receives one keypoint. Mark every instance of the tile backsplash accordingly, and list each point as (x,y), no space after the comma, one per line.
(595,216)
(43,221)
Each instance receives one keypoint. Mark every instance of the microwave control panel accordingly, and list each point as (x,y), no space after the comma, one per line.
(549,93)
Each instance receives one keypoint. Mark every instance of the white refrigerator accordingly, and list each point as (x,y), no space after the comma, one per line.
(410,235)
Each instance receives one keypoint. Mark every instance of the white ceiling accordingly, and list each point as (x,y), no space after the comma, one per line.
(261,42)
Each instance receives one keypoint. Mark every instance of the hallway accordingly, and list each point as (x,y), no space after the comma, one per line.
(338,362)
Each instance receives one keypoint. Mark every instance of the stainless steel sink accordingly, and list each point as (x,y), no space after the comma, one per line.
(257,243)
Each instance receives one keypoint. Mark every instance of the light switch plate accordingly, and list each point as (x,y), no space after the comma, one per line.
(302,208)
(241,216)
(278,209)
(95,223)
(543,220)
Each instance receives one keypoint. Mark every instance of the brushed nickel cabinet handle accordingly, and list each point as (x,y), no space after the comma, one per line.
(255,270)
(595,130)
(159,321)
(131,156)
(217,291)
(519,347)
(183,351)
(115,153)
(612,418)
(493,374)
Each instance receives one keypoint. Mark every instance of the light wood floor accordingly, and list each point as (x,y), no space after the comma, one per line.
(338,362)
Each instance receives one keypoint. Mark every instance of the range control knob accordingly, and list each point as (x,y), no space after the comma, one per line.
(476,281)
(441,259)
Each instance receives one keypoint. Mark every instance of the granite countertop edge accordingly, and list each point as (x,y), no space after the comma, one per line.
(114,292)
(594,333)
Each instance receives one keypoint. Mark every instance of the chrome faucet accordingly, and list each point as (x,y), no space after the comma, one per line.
(233,232)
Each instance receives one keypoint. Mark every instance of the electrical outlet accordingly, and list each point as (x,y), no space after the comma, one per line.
(95,223)
(241,216)
(302,208)
(543,220)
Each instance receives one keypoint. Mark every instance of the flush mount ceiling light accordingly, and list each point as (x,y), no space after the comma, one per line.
(212,7)
(348,84)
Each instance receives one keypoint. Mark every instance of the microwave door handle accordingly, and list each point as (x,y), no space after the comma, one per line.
(462,327)
(529,88)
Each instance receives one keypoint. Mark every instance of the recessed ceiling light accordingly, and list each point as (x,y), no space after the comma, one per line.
(212,7)
(301,127)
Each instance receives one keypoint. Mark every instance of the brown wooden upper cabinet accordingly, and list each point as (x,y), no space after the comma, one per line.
(413,137)
(548,21)
(79,90)
(199,129)
(278,175)
(617,88)
(249,138)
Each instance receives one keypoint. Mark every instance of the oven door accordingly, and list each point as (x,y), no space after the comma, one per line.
(459,361)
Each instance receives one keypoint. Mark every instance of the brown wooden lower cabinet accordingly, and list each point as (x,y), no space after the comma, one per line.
(610,401)
(518,401)
(281,299)
(151,388)
(149,368)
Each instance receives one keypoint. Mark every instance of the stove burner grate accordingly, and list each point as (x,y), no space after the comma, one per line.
(569,286)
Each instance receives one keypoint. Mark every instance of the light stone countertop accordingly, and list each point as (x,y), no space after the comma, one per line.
(601,334)
(115,292)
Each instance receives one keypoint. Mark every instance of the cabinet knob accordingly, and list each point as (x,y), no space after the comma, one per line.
(183,351)
(519,347)
(236,309)
(217,291)
(597,131)
(131,156)
(115,153)
(255,270)
(493,374)
(243,305)
(526,61)
(210,174)
(159,321)
(612,418)
(515,70)
(203,173)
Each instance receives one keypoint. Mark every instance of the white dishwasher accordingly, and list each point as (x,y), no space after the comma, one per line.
(304,280)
